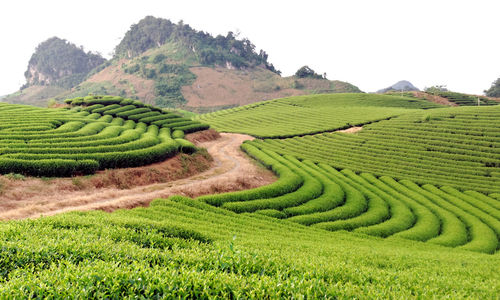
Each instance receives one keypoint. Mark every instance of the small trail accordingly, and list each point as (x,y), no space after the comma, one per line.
(351,129)
(232,170)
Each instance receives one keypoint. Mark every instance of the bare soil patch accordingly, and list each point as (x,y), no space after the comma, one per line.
(351,129)
(220,86)
(230,170)
(433,98)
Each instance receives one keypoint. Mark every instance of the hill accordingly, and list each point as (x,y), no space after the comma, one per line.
(311,114)
(462,99)
(174,65)
(455,146)
(494,90)
(57,62)
(402,85)
(378,213)
(107,132)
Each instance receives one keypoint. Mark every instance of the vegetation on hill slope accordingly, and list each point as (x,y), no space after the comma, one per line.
(319,195)
(317,232)
(107,132)
(169,65)
(311,114)
(456,146)
(36,95)
(465,99)
(182,248)
(306,72)
(494,90)
(58,62)
(153,32)
(193,70)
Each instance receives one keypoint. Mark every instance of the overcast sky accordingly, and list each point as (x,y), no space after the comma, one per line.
(371,44)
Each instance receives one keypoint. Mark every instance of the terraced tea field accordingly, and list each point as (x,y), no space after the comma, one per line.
(466,100)
(320,196)
(406,208)
(459,147)
(185,248)
(105,133)
(303,115)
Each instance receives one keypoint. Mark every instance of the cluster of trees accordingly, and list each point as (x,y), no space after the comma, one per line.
(306,72)
(436,89)
(59,62)
(494,90)
(153,32)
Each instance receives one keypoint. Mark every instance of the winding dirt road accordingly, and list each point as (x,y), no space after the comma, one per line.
(231,170)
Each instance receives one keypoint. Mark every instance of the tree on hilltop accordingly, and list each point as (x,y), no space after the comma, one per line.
(494,90)
(306,72)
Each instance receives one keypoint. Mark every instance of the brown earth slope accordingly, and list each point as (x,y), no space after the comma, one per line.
(220,87)
(134,86)
(230,170)
(228,87)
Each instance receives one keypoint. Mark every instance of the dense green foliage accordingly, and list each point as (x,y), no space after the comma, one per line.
(311,114)
(383,207)
(153,32)
(407,208)
(99,132)
(452,146)
(306,72)
(59,62)
(169,74)
(182,248)
(494,90)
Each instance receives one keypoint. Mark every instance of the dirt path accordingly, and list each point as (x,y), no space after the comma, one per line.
(351,129)
(232,170)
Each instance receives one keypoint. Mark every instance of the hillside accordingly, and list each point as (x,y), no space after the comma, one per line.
(295,116)
(58,62)
(97,133)
(407,207)
(378,213)
(169,65)
(455,146)
(173,65)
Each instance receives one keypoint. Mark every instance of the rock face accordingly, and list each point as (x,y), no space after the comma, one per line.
(59,62)
(402,85)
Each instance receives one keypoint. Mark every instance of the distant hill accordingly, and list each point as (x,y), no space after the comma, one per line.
(402,85)
(60,63)
(174,65)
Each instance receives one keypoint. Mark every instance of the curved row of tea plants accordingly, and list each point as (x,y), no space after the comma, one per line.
(458,146)
(464,99)
(57,142)
(303,115)
(343,200)
(183,248)
(137,111)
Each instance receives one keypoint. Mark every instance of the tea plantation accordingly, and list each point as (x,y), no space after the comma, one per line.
(407,208)
(311,114)
(97,133)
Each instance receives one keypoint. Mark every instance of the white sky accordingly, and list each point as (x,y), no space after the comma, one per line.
(371,44)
